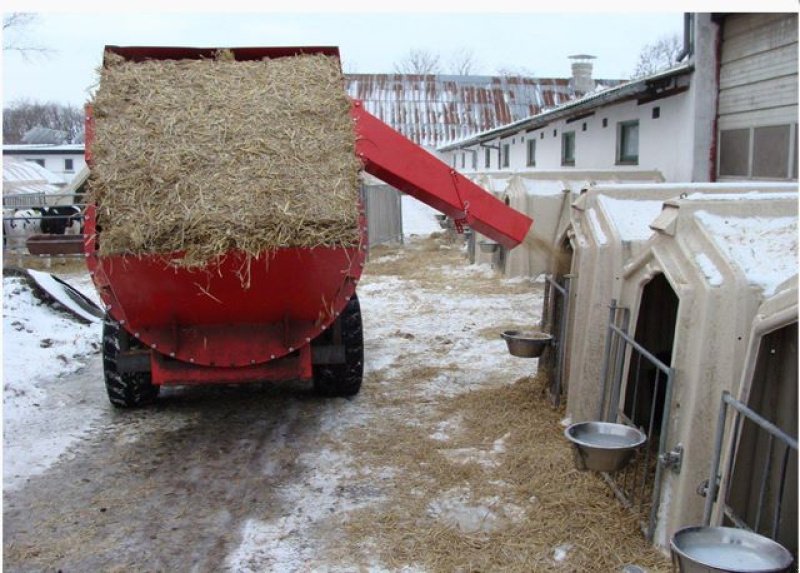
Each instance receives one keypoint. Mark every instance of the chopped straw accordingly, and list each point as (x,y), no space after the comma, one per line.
(205,157)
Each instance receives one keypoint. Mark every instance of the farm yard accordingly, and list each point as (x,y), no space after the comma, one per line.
(254,232)
(450,459)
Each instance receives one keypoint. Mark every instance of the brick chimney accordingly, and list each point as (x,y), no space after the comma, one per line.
(582,81)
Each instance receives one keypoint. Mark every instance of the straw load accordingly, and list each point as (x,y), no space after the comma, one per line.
(209,156)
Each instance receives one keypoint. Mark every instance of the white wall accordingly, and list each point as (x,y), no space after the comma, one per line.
(665,144)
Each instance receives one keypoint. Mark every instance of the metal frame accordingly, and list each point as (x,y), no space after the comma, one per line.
(560,341)
(715,477)
(620,348)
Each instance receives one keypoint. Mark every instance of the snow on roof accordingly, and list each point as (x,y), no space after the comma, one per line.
(709,269)
(28,177)
(594,223)
(434,110)
(543,186)
(631,217)
(750,196)
(50,148)
(592,100)
(764,248)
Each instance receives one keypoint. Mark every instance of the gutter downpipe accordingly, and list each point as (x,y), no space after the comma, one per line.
(687,37)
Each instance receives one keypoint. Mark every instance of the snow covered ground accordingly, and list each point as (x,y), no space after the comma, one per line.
(41,347)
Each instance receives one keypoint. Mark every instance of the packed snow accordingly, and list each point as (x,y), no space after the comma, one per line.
(709,269)
(763,248)
(41,346)
(631,218)
(597,229)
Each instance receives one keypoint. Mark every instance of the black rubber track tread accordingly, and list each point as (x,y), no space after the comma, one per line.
(128,389)
(342,380)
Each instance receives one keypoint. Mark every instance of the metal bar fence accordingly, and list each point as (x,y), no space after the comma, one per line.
(715,479)
(638,486)
(559,369)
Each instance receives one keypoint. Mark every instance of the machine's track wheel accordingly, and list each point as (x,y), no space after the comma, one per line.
(344,379)
(125,389)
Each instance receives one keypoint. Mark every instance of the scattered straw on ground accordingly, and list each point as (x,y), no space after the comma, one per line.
(210,156)
(503,456)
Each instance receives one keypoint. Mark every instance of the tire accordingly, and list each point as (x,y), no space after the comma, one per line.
(343,380)
(125,389)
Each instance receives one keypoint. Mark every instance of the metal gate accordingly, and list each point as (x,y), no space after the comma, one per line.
(781,454)
(383,211)
(554,292)
(638,486)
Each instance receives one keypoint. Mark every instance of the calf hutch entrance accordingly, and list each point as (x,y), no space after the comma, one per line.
(686,269)
(642,361)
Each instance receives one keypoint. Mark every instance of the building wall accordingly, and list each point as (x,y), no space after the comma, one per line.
(665,143)
(758,97)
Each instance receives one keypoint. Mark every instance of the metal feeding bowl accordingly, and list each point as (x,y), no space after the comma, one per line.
(526,344)
(603,446)
(727,549)
(488,246)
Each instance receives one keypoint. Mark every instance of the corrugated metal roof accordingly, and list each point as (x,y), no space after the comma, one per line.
(602,95)
(434,110)
(26,174)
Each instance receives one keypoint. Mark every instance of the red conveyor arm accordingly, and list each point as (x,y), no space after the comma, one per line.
(404,165)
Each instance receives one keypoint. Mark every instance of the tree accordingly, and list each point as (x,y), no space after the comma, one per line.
(420,62)
(462,62)
(658,56)
(515,72)
(16,26)
(22,116)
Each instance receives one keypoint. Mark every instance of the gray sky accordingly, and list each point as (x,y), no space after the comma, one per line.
(369,42)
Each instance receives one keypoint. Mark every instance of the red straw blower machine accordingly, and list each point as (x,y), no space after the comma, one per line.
(300,317)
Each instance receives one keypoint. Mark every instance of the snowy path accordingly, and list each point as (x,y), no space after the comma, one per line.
(274,478)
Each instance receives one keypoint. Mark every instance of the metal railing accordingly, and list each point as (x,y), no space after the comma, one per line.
(773,455)
(638,486)
(561,324)
(16,243)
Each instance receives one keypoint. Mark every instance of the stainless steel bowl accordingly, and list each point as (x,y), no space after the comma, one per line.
(526,344)
(488,246)
(727,549)
(603,446)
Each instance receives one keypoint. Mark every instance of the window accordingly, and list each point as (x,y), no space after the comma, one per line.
(734,152)
(463,160)
(555,132)
(531,162)
(474,160)
(583,127)
(568,148)
(628,143)
(506,153)
(771,152)
(68,167)
(605,122)
(656,112)
(39,162)
(488,160)
(541,135)
(762,152)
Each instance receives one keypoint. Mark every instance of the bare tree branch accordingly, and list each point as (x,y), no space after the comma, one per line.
(23,115)
(463,62)
(15,35)
(418,62)
(515,72)
(658,56)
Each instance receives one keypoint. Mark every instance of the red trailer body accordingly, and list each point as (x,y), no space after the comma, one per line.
(169,325)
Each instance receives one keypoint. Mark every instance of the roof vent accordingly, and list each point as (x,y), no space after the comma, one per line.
(582,81)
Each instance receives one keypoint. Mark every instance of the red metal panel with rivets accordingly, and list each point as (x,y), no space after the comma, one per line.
(401,163)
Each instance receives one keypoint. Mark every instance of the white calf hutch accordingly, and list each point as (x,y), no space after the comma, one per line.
(688,281)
